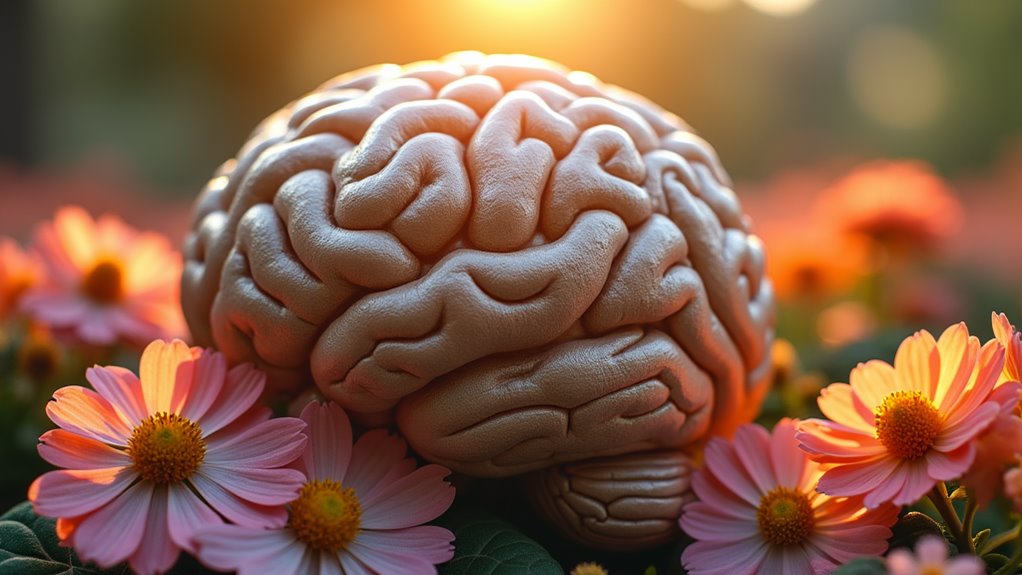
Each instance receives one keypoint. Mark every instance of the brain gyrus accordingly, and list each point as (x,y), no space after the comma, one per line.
(518,264)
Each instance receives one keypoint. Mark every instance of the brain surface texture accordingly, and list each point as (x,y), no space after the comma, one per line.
(519,265)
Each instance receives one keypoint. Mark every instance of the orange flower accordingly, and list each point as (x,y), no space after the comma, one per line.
(897,203)
(105,281)
(1011,339)
(18,272)
(810,262)
(896,431)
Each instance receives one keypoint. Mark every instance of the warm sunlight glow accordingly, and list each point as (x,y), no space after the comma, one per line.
(781,7)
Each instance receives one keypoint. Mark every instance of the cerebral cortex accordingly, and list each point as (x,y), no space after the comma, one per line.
(517,264)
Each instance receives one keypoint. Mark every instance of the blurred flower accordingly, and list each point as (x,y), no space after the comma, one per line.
(784,362)
(1013,485)
(932,558)
(39,356)
(757,510)
(105,280)
(812,262)
(900,204)
(997,448)
(924,300)
(1011,339)
(845,322)
(18,272)
(588,568)
(149,460)
(361,511)
(894,432)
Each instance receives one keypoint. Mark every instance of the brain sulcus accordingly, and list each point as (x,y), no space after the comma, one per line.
(521,266)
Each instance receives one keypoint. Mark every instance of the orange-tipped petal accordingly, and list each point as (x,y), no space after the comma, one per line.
(163,367)
(872,382)
(917,364)
(839,404)
(958,354)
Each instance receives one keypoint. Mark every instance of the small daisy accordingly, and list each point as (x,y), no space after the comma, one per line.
(147,460)
(362,511)
(931,557)
(757,511)
(895,431)
(105,281)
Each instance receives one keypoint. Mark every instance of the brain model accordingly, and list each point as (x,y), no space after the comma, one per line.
(523,268)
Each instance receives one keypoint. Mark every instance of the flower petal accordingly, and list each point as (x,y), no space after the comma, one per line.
(114,532)
(838,403)
(74,492)
(873,381)
(72,451)
(209,375)
(392,561)
(739,556)
(85,412)
(229,547)
(958,353)
(272,443)
(429,542)
(727,467)
(956,433)
(122,389)
(186,514)
(945,466)
(256,485)
(701,521)
(330,443)
(163,367)
(236,509)
(752,446)
(414,499)
(917,363)
(373,458)
(857,478)
(242,389)
(157,552)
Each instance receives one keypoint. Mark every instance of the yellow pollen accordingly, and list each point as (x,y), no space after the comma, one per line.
(907,424)
(326,515)
(167,448)
(785,517)
(104,282)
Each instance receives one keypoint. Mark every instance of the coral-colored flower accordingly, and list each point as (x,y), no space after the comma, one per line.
(18,272)
(932,558)
(897,203)
(997,448)
(757,511)
(361,511)
(811,262)
(105,281)
(1011,339)
(147,460)
(894,432)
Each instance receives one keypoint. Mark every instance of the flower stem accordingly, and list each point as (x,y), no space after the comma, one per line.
(971,506)
(940,499)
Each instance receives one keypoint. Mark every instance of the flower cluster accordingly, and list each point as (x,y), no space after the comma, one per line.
(813,494)
(183,457)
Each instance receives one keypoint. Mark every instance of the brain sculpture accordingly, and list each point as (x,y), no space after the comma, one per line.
(524,268)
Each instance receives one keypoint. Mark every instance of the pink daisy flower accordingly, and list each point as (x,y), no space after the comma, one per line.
(361,511)
(931,552)
(148,460)
(105,281)
(894,432)
(757,511)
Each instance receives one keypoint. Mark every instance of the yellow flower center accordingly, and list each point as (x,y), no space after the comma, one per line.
(104,282)
(167,448)
(907,424)
(588,568)
(326,515)
(785,517)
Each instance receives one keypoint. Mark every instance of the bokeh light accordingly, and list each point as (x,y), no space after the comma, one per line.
(781,7)
(897,78)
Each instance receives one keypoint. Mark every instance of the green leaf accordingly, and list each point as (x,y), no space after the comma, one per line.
(912,527)
(29,546)
(17,539)
(981,539)
(862,566)
(34,566)
(486,545)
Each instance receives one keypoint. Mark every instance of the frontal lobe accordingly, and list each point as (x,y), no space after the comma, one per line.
(526,266)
